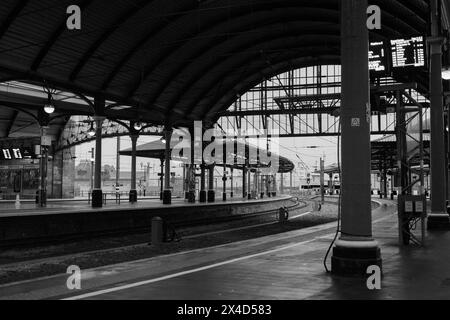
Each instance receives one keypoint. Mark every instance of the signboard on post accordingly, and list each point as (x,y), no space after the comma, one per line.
(46,141)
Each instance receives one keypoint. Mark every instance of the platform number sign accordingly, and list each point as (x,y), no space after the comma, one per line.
(374,280)
(7,154)
(74,280)
(17,154)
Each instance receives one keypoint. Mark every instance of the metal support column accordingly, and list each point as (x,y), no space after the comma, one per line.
(133,192)
(203,192)
(42,192)
(161,179)
(439,218)
(281,183)
(231,182)
(244,181)
(118,164)
(355,250)
(249,184)
(211,192)
(167,192)
(224,180)
(97,194)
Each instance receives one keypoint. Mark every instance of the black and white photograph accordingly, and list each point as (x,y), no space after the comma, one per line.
(225,158)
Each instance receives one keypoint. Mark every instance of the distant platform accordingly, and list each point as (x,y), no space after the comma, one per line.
(77,219)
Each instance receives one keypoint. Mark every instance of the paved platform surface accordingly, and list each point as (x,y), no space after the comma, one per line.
(283,266)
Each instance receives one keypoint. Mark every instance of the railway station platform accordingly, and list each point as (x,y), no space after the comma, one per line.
(62,220)
(287,266)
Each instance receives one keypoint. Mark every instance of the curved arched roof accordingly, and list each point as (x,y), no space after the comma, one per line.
(178,60)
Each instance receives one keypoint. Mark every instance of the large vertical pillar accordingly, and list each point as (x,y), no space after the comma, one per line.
(167,192)
(97,194)
(355,250)
(133,192)
(438,218)
(211,192)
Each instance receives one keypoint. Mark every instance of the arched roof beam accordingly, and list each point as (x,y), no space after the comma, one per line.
(54,37)
(109,31)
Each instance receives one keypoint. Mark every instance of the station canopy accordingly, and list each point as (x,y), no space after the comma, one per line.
(156,150)
(174,61)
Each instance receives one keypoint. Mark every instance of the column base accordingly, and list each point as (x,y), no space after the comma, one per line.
(203,196)
(274,194)
(352,258)
(231,194)
(224,196)
(160,196)
(191,196)
(438,222)
(133,196)
(211,196)
(43,195)
(244,195)
(261,195)
(167,197)
(186,195)
(97,198)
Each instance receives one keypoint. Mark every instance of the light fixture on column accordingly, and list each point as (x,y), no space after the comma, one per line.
(49,107)
(91,132)
(446,60)
(137,126)
(446,73)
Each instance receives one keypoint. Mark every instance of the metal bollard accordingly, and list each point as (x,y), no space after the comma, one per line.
(157,231)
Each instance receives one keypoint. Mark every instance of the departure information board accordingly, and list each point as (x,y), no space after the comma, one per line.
(378,57)
(408,52)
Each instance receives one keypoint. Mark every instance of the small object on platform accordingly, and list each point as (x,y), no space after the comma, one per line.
(283,215)
(17,204)
(157,231)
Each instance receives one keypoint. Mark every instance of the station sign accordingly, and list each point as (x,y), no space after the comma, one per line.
(16,153)
(397,55)
(378,58)
(408,52)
